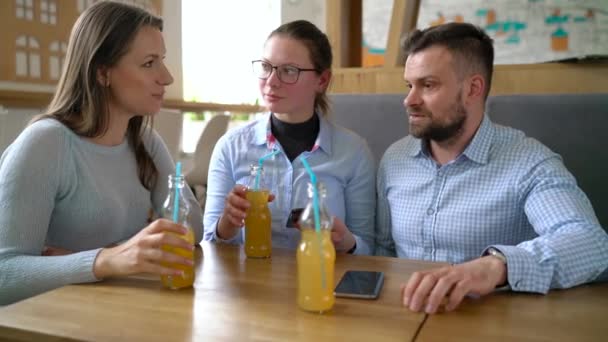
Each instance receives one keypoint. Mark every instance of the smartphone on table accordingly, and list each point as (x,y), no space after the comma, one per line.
(360,284)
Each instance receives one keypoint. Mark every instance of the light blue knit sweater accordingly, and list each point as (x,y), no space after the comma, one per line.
(60,190)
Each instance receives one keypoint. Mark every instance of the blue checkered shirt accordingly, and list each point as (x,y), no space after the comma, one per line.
(505,191)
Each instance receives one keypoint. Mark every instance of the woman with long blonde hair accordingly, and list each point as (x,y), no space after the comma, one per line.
(77,185)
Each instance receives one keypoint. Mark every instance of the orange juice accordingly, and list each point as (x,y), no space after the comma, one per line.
(258,232)
(316,257)
(178,282)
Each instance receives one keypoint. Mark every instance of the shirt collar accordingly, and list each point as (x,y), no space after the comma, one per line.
(418,148)
(260,130)
(478,149)
(263,134)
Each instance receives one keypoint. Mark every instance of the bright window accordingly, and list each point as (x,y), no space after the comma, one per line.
(27,57)
(48,12)
(57,55)
(219,41)
(24,9)
(83,4)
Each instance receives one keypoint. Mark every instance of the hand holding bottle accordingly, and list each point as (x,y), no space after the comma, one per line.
(143,253)
(235,211)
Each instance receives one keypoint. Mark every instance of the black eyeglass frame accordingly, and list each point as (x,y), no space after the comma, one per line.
(275,68)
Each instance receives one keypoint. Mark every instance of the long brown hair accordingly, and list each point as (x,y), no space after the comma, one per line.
(318,47)
(100,37)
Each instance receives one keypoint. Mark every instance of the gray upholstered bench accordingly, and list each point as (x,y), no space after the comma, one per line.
(572,125)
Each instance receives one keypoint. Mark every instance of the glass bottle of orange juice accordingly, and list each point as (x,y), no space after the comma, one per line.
(176,186)
(258,221)
(316,257)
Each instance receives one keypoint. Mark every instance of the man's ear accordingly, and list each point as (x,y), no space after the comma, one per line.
(324,80)
(103,76)
(475,88)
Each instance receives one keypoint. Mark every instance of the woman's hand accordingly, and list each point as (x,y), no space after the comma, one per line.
(143,253)
(342,238)
(235,210)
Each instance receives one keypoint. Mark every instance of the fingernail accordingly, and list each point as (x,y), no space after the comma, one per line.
(429,309)
(406,301)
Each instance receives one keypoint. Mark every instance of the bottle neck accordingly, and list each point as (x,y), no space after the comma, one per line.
(256,178)
(309,220)
(176,182)
(176,208)
(255,169)
(320,200)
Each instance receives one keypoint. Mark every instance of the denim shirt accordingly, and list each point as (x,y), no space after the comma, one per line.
(340,159)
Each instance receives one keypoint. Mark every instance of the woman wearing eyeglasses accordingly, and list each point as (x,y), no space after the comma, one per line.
(294,73)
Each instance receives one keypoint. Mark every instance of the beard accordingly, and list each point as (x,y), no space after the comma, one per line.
(438,131)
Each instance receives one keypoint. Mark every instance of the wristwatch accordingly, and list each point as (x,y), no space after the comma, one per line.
(497,254)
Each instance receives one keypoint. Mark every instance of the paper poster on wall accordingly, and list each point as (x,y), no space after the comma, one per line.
(374,27)
(529,31)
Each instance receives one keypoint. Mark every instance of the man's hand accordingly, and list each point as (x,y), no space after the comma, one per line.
(426,290)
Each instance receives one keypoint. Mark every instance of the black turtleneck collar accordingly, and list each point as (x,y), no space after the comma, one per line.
(295,138)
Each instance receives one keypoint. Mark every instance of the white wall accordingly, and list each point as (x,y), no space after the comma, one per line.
(172,32)
(12,122)
(311,10)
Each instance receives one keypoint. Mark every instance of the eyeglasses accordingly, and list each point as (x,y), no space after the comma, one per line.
(288,74)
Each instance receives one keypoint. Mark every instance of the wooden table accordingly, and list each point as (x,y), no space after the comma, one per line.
(578,314)
(234,298)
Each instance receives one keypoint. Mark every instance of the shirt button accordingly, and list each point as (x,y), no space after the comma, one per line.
(430,211)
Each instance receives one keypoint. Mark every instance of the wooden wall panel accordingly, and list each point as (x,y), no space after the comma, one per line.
(403,20)
(343,27)
(508,79)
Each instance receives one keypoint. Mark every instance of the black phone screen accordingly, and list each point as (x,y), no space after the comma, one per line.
(294,217)
(360,284)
